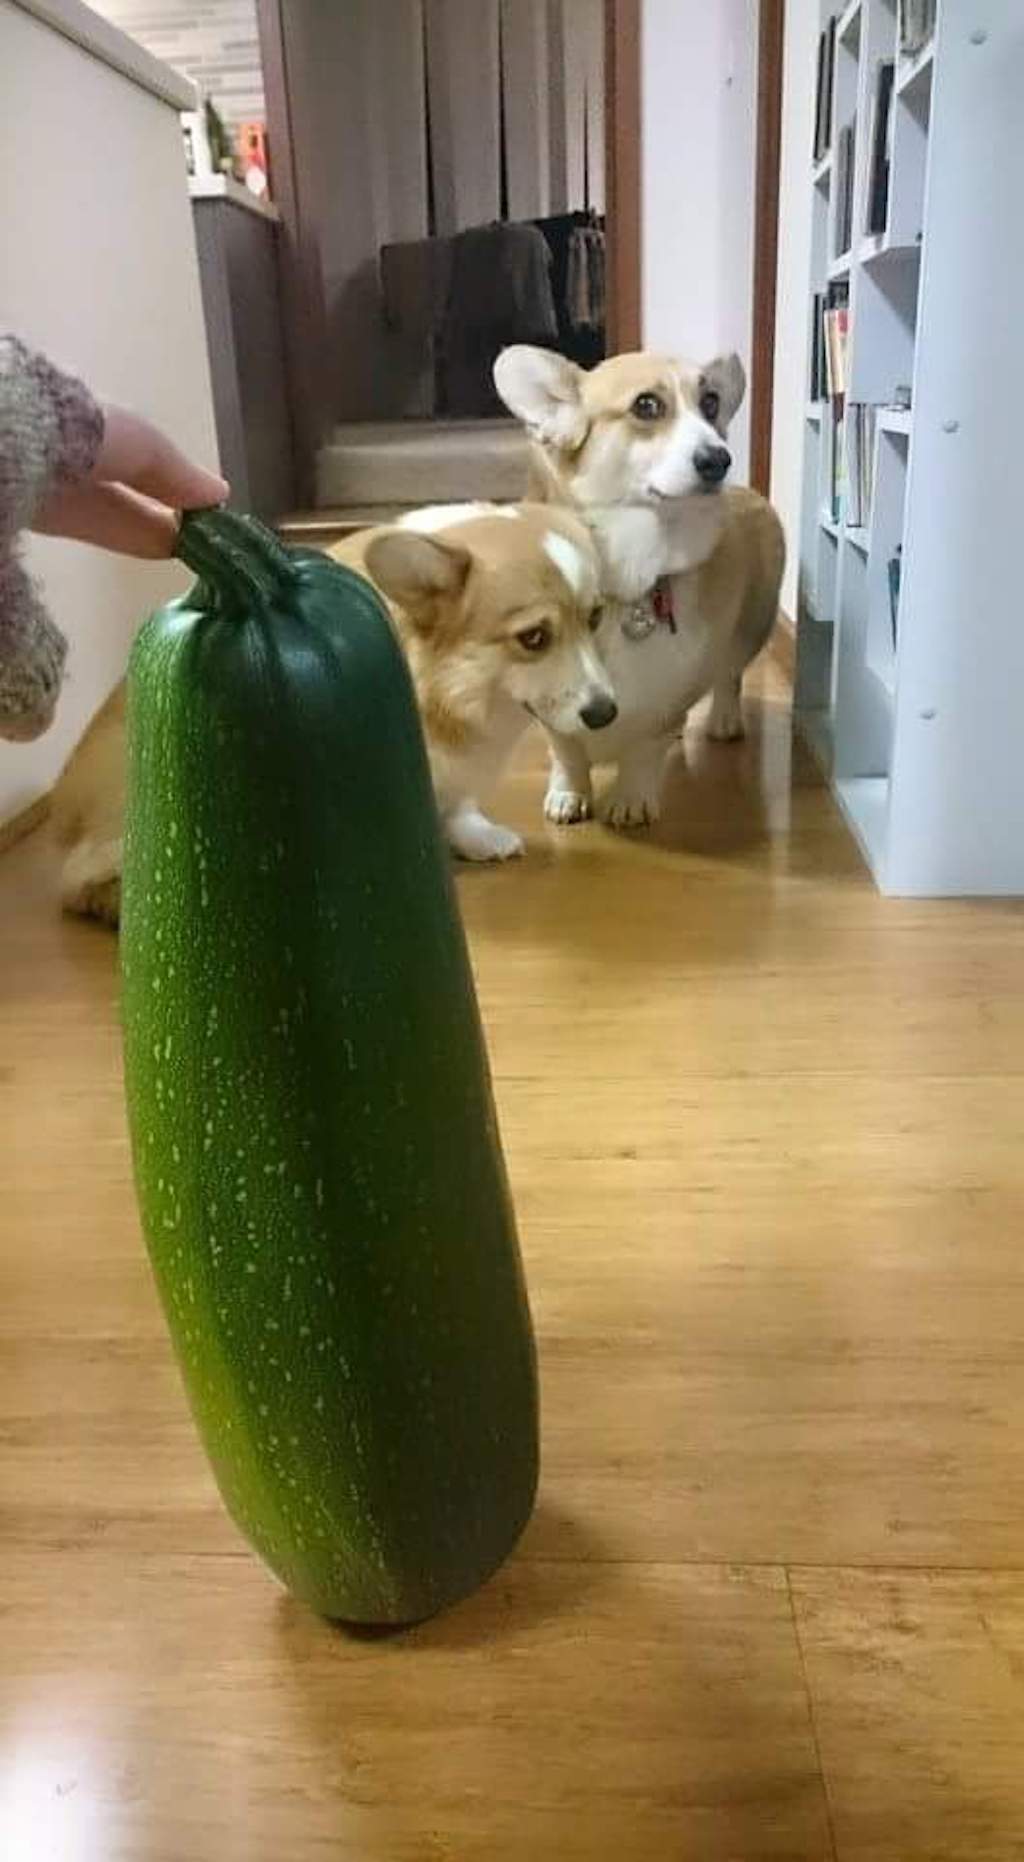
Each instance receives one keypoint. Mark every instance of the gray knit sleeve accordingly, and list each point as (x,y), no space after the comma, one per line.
(51,430)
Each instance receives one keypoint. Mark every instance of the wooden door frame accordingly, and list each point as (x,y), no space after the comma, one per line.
(299,277)
(622,150)
(771,29)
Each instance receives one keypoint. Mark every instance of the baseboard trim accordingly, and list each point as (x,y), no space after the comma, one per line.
(24,822)
(782,646)
(325,526)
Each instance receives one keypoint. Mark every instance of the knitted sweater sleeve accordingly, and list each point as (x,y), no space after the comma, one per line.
(51,430)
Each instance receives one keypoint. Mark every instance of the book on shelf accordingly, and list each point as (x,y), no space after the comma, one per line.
(836,339)
(829,333)
(859,427)
(823,93)
(837,463)
(917,23)
(835,318)
(818,365)
(843,180)
(851,428)
(867,457)
(895,564)
(881,148)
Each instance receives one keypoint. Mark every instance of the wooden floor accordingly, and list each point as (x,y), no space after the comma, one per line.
(765,1132)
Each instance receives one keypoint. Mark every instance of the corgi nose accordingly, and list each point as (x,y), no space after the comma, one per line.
(599,711)
(711,463)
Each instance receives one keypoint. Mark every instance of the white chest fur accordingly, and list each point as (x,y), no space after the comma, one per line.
(657,674)
(639,543)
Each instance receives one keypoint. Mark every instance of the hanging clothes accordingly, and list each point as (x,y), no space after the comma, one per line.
(578,283)
(500,293)
(585,281)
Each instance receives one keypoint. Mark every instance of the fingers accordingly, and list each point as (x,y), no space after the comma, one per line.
(136,454)
(112,517)
(137,487)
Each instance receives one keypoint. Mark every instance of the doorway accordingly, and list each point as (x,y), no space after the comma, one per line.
(504,164)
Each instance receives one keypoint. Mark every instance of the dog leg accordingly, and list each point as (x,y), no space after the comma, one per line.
(725,720)
(90,884)
(472,837)
(634,799)
(570,796)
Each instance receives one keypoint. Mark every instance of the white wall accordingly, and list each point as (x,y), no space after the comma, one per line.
(97,269)
(737,146)
(792,279)
(699,127)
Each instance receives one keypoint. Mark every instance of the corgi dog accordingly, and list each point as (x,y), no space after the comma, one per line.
(496,607)
(690,570)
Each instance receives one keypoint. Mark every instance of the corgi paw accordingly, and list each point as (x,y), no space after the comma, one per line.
(101,901)
(630,809)
(725,724)
(566,806)
(473,837)
(91,882)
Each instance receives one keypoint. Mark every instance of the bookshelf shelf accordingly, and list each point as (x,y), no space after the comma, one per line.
(916,177)
(849,21)
(910,71)
(877,247)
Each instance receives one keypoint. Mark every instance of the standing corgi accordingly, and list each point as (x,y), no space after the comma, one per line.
(690,571)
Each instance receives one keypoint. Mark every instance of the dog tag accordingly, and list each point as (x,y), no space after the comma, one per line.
(639,622)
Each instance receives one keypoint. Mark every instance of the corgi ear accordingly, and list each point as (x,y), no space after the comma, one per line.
(726,375)
(545,392)
(417,571)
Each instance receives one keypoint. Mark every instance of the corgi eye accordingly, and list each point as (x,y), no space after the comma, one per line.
(710,403)
(649,407)
(594,620)
(535,639)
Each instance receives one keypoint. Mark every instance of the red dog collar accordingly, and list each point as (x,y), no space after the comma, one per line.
(661,602)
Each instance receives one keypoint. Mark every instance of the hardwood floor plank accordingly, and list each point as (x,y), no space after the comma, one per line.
(183,1708)
(918,1691)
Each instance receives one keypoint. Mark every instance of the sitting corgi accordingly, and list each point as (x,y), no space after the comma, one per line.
(496,607)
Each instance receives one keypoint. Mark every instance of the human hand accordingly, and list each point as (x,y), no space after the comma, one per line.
(132,500)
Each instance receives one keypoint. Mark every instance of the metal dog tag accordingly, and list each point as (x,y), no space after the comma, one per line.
(639,622)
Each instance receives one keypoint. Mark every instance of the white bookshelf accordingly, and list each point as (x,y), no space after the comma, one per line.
(922,736)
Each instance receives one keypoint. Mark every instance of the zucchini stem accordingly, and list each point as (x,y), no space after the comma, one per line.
(235,555)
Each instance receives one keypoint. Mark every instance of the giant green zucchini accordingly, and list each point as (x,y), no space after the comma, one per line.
(316,1156)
